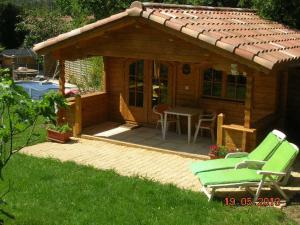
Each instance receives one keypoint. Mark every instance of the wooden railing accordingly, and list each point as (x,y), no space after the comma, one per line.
(87,110)
(235,136)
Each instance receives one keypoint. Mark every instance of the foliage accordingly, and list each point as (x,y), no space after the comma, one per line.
(19,114)
(92,80)
(65,128)
(9,18)
(4,72)
(41,25)
(49,105)
(75,9)
(286,12)
(220,151)
(1,48)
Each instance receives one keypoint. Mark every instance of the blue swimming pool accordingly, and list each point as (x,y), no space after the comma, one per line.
(36,89)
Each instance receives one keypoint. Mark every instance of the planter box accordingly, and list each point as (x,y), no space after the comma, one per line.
(213,156)
(58,137)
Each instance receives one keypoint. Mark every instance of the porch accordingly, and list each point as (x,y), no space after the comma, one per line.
(147,138)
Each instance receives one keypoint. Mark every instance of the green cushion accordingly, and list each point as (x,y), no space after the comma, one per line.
(230,176)
(262,152)
(216,164)
(265,149)
(282,158)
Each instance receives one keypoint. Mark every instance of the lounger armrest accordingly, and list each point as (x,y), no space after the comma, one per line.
(251,164)
(263,172)
(236,155)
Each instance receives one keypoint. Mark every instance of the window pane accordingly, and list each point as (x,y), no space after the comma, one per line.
(164,72)
(241,93)
(230,91)
(207,88)
(217,89)
(208,75)
(231,78)
(217,76)
(160,86)
(136,84)
(241,80)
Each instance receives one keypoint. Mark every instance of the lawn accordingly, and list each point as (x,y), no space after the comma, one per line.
(46,191)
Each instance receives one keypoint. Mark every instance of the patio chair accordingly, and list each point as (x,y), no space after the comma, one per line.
(246,174)
(206,122)
(261,153)
(159,110)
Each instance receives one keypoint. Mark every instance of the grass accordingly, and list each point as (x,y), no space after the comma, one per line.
(39,135)
(46,191)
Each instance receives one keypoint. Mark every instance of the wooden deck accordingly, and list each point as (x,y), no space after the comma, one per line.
(148,138)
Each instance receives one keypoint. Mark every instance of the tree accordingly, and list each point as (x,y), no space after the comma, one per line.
(74,8)
(18,116)
(41,25)
(9,18)
(282,11)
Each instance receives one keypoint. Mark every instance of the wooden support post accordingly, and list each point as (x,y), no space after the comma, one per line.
(105,78)
(62,78)
(78,117)
(248,101)
(61,112)
(220,129)
(244,140)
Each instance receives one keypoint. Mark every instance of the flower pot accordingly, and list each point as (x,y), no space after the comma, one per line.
(214,156)
(58,137)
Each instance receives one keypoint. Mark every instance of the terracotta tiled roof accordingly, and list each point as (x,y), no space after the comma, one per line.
(239,31)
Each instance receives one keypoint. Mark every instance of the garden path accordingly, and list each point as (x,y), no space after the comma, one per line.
(128,161)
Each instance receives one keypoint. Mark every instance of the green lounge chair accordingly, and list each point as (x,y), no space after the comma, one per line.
(262,152)
(270,174)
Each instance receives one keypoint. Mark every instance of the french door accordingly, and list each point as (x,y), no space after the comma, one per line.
(162,87)
(147,83)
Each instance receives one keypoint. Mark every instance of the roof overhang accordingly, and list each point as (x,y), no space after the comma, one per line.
(137,13)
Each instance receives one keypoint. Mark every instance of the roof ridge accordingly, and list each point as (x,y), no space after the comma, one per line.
(165,5)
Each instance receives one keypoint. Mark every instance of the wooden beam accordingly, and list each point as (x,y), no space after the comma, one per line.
(73,41)
(248,101)
(78,117)
(105,75)
(220,122)
(61,114)
(210,47)
(62,79)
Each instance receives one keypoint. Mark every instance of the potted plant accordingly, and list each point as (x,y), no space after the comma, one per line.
(59,133)
(217,151)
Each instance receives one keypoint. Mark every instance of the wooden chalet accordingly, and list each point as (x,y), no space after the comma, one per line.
(227,60)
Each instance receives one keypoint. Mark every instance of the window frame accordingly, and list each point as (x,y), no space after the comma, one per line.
(136,80)
(224,86)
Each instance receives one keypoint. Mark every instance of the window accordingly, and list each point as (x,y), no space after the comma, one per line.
(136,84)
(236,87)
(218,84)
(160,84)
(212,85)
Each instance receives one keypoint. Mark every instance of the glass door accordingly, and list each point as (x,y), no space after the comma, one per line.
(161,87)
(134,109)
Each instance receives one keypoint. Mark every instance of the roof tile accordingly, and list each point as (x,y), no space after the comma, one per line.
(240,31)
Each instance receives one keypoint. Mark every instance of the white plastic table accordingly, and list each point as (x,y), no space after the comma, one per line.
(181,111)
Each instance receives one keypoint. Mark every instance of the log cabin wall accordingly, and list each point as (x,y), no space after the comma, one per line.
(115,84)
(187,91)
(94,108)
(265,95)
(139,42)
